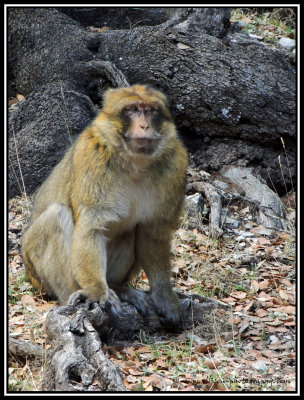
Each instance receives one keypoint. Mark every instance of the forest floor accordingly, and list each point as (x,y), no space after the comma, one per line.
(250,345)
(247,346)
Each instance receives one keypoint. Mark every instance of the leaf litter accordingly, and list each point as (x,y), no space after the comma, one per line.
(247,346)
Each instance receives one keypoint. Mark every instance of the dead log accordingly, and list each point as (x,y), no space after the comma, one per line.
(76,360)
(239,183)
(270,208)
(24,349)
(233,98)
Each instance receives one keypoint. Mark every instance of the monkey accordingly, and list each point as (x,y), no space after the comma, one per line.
(110,206)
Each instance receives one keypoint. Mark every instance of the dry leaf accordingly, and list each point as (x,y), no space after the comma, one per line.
(135,372)
(45,307)
(284,309)
(263,241)
(255,285)
(212,364)
(261,312)
(205,349)
(229,300)
(264,284)
(290,323)
(28,300)
(283,294)
(239,294)
(234,320)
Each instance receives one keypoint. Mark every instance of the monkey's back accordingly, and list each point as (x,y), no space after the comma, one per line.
(56,187)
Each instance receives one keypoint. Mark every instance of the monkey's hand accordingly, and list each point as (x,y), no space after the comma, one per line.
(80,296)
(168,305)
(112,303)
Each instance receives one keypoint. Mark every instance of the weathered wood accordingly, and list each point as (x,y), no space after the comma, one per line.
(270,208)
(267,208)
(233,97)
(76,360)
(25,349)
(215,202)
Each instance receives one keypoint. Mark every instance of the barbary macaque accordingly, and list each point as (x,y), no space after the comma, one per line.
(110,206)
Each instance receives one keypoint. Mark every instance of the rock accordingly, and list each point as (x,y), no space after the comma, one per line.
(220,184)
(273,339)
(235,224)
(260,366)
(197,200)
(286,43)
(195,207)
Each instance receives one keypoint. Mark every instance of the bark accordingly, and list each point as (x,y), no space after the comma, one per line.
(76,360)
(23,349)
(270,208)
(116,18)
(232,97)
(238,183)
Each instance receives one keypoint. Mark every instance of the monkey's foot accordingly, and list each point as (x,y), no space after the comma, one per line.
(137,298)
(167,306)
(113,304)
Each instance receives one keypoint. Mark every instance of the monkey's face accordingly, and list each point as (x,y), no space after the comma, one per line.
(142,127)
(138,118)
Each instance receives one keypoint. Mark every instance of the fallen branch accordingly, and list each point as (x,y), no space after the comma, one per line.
(271,211)
(23,349)
(76,360)
(215,202)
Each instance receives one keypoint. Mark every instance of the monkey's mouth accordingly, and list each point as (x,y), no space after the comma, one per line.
(143,145)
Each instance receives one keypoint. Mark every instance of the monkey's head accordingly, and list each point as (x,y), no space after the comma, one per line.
(140,119)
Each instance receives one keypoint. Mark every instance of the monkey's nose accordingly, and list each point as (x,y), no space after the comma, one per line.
(145,127)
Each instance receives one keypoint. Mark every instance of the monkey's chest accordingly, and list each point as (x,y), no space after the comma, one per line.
(136,204)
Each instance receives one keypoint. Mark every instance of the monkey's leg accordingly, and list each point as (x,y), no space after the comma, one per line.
(47,249)
(153,252)
(89,264)
(122,268)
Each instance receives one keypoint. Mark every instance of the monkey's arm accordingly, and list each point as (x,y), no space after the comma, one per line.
(153,251)
(89,263)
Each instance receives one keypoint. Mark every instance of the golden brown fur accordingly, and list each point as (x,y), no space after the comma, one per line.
(107,210)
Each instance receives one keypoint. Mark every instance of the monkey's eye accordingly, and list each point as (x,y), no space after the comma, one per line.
(132,109)
(152,110)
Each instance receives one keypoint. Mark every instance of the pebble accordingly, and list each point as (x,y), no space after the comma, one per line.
(273,339)
(11,216)
(260,365)
(244,235)
(233,222)
(286,43)
(220,184)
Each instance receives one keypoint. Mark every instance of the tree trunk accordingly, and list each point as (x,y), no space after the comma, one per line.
(233,98)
